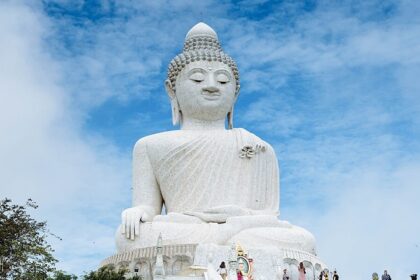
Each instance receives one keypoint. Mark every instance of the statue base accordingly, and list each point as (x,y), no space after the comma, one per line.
(200,261)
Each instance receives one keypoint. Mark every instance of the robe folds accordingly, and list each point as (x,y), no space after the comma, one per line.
(198,170)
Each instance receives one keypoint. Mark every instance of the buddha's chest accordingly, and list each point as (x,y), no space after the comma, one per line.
(185,153)
(196,171)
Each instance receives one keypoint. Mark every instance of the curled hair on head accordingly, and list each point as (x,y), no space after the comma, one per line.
(201,44)
(181,60)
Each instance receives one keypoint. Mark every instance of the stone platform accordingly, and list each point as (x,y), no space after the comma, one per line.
(191,261)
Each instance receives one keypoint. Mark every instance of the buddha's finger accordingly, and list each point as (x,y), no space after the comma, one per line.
(132,223)
(123,223)
(127,226)
(137,226)
(215,218)
(228,209)
(219,209)
(213,211)
(206,217)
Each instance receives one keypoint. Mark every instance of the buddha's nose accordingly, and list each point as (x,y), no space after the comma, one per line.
(211,88)
(211,85)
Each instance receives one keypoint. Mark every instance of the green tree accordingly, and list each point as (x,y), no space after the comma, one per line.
(109,273)
(61,275)
(24,251)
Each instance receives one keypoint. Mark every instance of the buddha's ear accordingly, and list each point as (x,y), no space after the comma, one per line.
(176,113)
(169,89)
(230,113)
(230,118)
(237,92)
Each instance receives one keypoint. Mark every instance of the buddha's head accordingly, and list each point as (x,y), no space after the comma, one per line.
(203,81)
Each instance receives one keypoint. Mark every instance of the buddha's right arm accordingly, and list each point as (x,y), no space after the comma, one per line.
(147,198)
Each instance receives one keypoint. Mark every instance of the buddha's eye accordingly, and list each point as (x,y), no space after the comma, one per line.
(222,78)
(197,77)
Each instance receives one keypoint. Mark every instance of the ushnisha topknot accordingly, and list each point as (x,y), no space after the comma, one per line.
(201,43)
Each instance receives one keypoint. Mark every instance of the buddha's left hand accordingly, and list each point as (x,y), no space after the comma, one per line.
(219,214)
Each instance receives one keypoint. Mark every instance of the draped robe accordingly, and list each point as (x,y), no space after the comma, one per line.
(198,170)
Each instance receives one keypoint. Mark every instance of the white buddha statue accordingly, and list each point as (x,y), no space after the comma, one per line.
(217,185)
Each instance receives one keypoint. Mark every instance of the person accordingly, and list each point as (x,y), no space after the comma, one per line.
(239,274)
(222,270)
(335,276)
(386,276)
(285,275)
(375,276)
(302,271)
(250,274)
(321,275)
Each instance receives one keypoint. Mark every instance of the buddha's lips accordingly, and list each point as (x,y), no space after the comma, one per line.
(211,95)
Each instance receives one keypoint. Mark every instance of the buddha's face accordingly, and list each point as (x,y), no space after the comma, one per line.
(206,90)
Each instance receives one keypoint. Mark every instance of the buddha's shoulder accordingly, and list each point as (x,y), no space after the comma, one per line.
(157,138)
(254,138)
(162,140)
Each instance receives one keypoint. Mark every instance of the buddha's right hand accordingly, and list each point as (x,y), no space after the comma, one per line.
(131,219)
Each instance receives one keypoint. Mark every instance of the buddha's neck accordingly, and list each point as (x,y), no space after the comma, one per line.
(194,124)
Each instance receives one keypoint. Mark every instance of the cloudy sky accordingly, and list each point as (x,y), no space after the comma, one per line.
(334,86)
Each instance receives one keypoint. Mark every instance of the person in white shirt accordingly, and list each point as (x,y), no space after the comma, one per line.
(222,270)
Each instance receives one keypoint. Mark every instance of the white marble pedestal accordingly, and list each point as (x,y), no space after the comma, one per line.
(188,261)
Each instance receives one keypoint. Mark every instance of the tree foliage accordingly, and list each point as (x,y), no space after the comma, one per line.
(24,251)
(61,275)
(109,273)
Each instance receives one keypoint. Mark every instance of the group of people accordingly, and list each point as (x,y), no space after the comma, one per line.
(302,274)
(324,275)
(223,272)
(385,276)
(301,269)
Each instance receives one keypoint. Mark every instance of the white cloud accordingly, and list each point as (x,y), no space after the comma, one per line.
(44,154)
(341,108)
(371,222)
(120,56)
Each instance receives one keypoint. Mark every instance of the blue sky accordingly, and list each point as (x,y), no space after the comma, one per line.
(332,85)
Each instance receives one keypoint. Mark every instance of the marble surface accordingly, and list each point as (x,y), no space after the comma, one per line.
(219,185)
(180,259)
(256,231)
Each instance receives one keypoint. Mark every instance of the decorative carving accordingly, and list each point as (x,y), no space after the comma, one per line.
(249,151)
(159,269)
